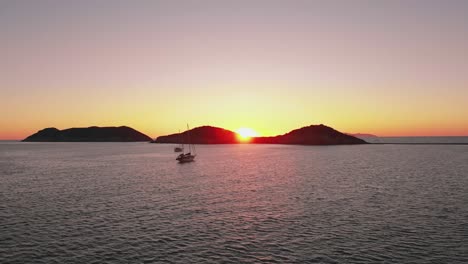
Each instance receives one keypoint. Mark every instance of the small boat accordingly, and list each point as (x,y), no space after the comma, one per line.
(178,149)
(185,157)
(189,156)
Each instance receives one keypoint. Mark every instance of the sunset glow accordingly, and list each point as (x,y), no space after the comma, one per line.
(234,131)
(359,67)
(245,134)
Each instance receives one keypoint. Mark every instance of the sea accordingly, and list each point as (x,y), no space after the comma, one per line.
(133,203)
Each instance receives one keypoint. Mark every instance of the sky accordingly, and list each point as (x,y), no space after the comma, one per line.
(390,68)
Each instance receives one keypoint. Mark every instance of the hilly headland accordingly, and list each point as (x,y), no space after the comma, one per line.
(310,135)
(88,134)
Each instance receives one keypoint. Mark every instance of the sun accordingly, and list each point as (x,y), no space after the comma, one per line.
(245,133)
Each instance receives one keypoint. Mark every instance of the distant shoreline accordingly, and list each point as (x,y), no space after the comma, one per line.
(143,142)
(320,145)
(418,143)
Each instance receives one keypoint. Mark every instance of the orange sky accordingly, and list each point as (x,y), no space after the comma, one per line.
(390,69)
(269,112)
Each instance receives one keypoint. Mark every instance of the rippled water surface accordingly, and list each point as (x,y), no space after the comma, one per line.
(418,140)
(132,203)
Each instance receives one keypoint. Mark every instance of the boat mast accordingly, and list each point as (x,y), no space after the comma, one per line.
(188,135)
(181,140)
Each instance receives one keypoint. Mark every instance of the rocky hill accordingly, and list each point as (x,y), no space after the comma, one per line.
(88,134)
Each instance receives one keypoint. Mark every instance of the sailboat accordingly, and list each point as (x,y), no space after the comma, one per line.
(179,148)
(189,156)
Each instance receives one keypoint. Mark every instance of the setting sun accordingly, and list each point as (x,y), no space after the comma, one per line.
(246,133)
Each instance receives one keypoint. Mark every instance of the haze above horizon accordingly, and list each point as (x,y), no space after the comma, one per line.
(393,68)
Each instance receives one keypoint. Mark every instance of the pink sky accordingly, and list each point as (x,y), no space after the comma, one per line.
(393,68)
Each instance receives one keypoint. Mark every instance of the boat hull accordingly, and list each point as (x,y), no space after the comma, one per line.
(185,158)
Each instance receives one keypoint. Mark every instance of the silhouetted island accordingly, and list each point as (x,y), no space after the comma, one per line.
(88,134)
(311,135)
(201,135)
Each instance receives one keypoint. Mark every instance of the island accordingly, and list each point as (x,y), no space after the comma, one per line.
(201,135)
(310,135)
(88,134)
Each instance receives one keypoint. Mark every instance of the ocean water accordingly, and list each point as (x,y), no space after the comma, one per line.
(417,140)
(132,203)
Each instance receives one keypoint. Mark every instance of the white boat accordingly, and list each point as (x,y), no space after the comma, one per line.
(189,156)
